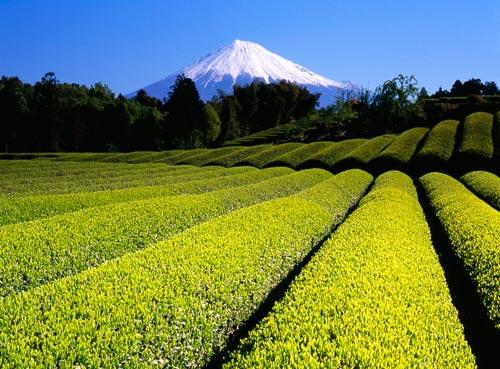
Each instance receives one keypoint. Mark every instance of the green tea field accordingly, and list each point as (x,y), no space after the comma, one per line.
(364,253)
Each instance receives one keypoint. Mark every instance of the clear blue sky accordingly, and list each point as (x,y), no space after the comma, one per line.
(128,44)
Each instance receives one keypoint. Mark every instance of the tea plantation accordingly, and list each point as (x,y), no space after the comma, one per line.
(378,252)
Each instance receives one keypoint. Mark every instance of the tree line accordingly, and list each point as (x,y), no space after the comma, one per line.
(473,86)
(396,105)
(53,116)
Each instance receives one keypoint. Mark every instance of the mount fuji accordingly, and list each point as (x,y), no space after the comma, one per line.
(242,62)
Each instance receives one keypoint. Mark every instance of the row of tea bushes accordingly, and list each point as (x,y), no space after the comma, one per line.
(477,137)
(96,182)
(328,157)
(439,144)
(401,150)
(25,208)
(485,185)
(294,158)
(366,152)
(263,158)
(473,229)
(229,160)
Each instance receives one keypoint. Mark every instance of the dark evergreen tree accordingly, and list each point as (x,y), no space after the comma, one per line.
(490,88)
(184,119)
(471,87)
(143,98)
(457,89)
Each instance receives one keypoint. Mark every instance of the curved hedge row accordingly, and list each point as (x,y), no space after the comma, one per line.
(128,157)
(20,209)
(83,171)
(485,185)
(231,159)
(155,157)
(209,155)
(37,252)
(328,157)
(294,158)
(440,142)
(86,156)
(185,155)
(477,140)
(97,182)
(374,296)
(473,228)
(47,170)
(266,136)
(364,153)
(401,149)
(175,303)
(262,158)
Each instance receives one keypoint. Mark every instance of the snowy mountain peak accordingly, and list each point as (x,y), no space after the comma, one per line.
(241,59)
(241,62)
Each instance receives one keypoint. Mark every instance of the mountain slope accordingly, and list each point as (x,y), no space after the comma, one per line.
(242,62)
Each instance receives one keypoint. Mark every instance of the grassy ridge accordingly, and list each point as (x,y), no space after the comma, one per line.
(37,252)
(13,210)
(485,185)
(473,228)
(373,297)
(176,303)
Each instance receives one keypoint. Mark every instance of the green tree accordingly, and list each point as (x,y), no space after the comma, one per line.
(339,115)
(213,124)
(395,104)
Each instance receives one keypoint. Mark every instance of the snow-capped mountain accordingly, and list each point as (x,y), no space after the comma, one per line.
(242,62)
